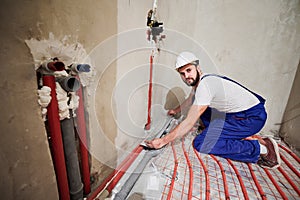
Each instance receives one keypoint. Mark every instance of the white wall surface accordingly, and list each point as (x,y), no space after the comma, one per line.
(254,42)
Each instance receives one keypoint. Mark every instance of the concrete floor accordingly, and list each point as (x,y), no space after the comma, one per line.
(179,172)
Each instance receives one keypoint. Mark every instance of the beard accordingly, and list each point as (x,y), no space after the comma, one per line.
(195,81)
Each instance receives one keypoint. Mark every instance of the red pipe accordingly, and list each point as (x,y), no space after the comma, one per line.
(207,192)
(117,174)
(290,152)
(190,192)
(275,184)
(223,176)
(289,180)
(260,190)
(174,173)
(239,178)
(83,144)
(290,165)
(56,141)
(147,126)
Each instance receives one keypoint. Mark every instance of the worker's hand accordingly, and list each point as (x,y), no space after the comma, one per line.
(171,112)
(156,143)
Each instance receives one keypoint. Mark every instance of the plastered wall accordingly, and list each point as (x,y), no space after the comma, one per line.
(25,160)
(254,42)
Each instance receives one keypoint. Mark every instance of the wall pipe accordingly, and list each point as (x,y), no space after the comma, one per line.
(71,156)
(128,185)
(148,124)
(56,143)
(81,130)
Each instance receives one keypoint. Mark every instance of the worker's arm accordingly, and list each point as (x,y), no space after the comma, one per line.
(184,106)
(193,115)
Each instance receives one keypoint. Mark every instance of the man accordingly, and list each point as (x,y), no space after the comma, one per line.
(230,113)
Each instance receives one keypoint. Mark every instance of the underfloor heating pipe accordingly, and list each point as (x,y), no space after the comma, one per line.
(289,180)
(128,185)
(174,173)
(83,145)
(276,184)
(227,196)
(190,192)
(260,190)
(244,190)
(207,187)
(56,143)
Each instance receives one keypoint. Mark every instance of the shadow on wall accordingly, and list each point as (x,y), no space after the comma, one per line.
(174,98)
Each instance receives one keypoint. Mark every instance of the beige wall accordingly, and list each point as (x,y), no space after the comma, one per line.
(290,124)
(25,161)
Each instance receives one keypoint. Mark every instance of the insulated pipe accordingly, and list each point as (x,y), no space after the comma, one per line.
(56,143)
(128,185)
(83,144)
(148,125)
(117,174)
(71,156)
(110,182)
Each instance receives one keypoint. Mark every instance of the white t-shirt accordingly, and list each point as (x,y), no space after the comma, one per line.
(223,95)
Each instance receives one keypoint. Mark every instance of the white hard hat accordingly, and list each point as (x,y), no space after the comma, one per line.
(185,58)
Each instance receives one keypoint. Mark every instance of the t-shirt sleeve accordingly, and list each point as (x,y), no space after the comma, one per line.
(203,94)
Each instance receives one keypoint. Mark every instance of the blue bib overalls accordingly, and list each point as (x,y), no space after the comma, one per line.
(224,133)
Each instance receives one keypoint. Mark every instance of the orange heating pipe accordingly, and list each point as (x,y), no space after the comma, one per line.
(223,176)
(190,193)
(260,190)
(207,189)
(174,173)
(240,179)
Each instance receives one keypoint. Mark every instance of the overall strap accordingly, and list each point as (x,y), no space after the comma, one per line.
(260,98)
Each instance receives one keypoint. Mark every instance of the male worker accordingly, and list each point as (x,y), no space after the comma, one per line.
(230,113)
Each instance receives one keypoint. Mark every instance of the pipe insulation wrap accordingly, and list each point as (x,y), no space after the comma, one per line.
(128,185)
